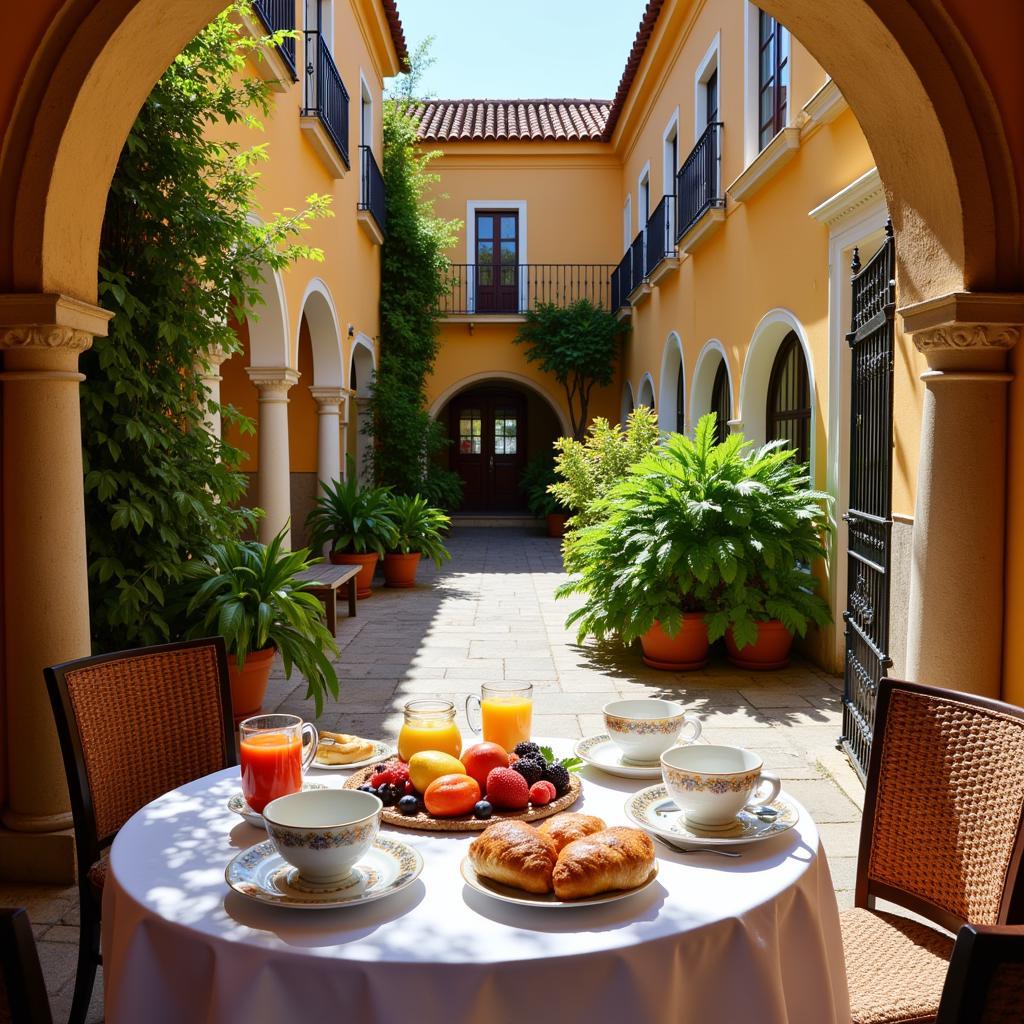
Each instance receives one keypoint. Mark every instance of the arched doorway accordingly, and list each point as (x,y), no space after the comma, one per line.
(362,367)
(672,393)
(711,390)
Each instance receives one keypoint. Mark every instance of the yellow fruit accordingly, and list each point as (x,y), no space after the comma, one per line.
(428,765)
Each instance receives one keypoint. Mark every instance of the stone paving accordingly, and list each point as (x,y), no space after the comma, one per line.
(491,614)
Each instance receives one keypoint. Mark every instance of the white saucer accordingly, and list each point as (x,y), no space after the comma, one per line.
(653,809)
(262,874)
(508,894)
(602,753)
(239,806)
(381,751)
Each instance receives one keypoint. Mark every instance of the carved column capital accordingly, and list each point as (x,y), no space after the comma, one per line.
(967,336)
(44,336)
(273,382)
(329,400)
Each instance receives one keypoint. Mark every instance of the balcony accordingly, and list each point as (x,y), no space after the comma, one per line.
(372,210)
(660,256)
(277,66)
(324,114)
(638,276)
(509,292)
(621,286)
(699,191)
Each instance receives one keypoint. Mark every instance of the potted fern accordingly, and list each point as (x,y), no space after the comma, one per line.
(418,534)
(355,523)
(536,482)
(247,593)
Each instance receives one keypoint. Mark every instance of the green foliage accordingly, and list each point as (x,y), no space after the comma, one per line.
(178,260)
(589,468)
(247,593)
(419,527)
(352,518)
(578,345)
(696,526)
(536,480)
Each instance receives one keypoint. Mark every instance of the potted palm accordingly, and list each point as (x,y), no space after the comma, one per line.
(537,481)
(418,534)
(355,523)
(247,593)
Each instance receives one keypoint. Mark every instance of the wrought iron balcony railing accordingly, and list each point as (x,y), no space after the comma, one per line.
(622,282)
(371,191)
(279,16)
(637,252)
(325,95)
(698,181)
(487,290)
(660,243)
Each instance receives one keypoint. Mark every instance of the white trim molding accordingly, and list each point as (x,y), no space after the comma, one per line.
(668,175)
(859,197)
(645,393)
(712,355)
(673,363)
(472,207)
(438,404)
(324,334)
(825,105)
(709,64)
(766,164)
(362,343)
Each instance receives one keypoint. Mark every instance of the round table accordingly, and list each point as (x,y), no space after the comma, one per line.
(754,939)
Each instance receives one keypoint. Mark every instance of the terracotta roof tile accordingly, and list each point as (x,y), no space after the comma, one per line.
(397,33)
(636,55)
(558,120)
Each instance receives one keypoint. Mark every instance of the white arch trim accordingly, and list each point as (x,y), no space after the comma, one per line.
(673,362)
(711,355)
(757,370)
(645,393)
(268,326)
(364,358)
(627,405)
(513,378)
(324,334)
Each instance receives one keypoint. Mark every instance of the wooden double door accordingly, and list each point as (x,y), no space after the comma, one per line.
(488,431)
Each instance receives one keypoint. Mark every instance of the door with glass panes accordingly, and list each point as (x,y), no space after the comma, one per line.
(488,451)
(497,262)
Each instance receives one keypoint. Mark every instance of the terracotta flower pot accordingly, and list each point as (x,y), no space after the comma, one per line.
(367,564)
(686,651)
(556,524)
(400,570)
(249,683)
(770,650)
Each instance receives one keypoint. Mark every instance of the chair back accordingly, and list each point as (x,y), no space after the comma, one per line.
(985,981)
(941,833)
(136,724)
(23,997)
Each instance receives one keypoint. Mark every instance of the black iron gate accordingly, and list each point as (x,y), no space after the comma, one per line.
(870,513)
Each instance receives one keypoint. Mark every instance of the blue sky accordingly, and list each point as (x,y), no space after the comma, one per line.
(523,48)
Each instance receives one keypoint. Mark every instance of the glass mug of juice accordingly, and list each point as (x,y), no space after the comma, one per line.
(273,758)
(506,713)
(429,725)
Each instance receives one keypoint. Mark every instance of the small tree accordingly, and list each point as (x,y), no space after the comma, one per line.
(578,345)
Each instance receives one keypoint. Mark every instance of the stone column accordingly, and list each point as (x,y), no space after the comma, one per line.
(211,379)
(955,628)
(329,403)
(275,481)
(46,591)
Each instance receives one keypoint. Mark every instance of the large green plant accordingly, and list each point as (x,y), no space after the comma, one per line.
(419,528)
(536,482)
(590,468)
(352,518)
(247,593)
(180,260)
(578,345)
(699,526)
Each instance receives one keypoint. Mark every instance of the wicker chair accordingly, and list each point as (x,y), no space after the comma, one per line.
(985,983)
(133,725)
(22,992)
(941,837)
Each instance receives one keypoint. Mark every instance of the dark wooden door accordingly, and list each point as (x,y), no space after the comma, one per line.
(488,431)
(497,262)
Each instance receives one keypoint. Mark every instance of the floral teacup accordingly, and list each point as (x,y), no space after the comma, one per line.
(644,729)
(712,784)
(323,832)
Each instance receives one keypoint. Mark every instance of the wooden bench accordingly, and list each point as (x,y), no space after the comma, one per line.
(325,582)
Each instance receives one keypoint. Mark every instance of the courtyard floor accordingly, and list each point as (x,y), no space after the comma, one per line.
(491,614)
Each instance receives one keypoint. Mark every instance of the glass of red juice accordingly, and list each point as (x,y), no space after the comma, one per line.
(274,756)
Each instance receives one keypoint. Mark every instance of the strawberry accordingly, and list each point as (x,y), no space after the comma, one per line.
(507,789)
(542,793)
(390,773)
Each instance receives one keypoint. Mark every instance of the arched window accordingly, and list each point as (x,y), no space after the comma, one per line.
(721,402)
(680,401)
(788,414)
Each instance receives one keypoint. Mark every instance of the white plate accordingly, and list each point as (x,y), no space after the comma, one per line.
(653,809)
(262,874)
(381,751)
(508,894)
(602,753)
(239,806)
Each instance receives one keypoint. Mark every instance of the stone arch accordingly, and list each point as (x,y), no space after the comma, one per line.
(465,383)
(673,363)
(268,326)
(362,365)
(712,355)
(324,334)
(645,393)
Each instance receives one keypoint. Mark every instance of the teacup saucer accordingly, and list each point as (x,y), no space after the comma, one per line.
(239,806)
(262,874)
(602,753)
(654,810)
(381,751)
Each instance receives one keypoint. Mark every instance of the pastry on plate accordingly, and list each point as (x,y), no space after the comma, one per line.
(344,749)
(616,858)
(565,827)
(516,854)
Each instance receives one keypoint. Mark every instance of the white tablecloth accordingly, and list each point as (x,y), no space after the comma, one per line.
(748,941)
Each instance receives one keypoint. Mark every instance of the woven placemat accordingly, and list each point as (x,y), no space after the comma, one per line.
(467,823)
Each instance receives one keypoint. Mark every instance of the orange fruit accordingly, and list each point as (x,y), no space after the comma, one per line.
(451,795)
(480,758)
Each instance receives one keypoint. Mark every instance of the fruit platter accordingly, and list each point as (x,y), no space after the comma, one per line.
(438,792)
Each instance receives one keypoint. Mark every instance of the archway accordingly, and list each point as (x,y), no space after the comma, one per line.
(626,405)
(362,367)
(645,393)
(672,392)
(710,363)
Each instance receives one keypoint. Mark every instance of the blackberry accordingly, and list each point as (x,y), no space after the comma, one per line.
(531,768)
(526,749)
(558,776)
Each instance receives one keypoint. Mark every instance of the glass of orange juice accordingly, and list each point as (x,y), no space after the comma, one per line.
(429,725)
(506,713)
(272,757)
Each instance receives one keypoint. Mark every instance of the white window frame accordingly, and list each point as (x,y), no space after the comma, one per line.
(669,173)
(627,222)
(709,64)
(366,99)
(472,206)
(326,20)
(752,82)
(644,178)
